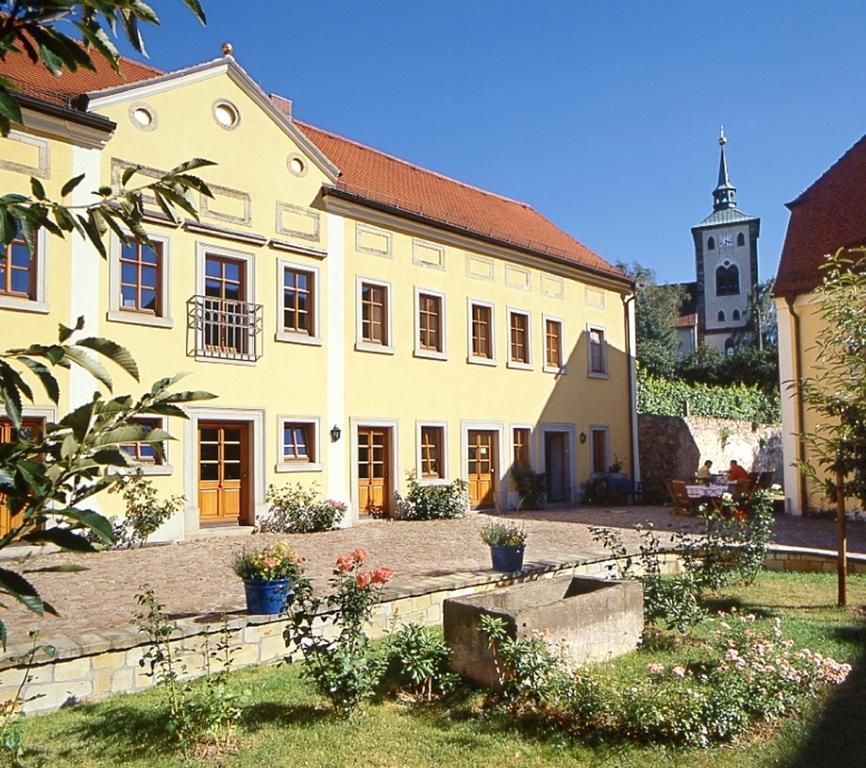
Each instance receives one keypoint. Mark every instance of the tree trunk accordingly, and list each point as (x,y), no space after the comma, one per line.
(841,541)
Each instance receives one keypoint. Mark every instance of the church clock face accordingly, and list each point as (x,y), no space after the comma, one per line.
(726,240)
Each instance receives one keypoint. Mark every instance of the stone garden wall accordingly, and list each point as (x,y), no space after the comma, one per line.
(673,447)
(97,666)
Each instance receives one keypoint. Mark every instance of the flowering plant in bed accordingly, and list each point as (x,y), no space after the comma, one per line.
(268,573)
(507,544)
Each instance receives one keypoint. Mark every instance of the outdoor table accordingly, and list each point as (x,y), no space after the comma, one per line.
(706,491)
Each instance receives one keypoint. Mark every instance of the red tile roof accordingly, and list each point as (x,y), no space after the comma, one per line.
(379,177)
(830,214)
(364,172)
(686,321)
(37,81)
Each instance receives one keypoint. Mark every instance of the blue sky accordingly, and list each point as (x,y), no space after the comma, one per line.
(604,116)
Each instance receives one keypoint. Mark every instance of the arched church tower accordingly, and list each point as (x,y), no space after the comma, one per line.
(726,257)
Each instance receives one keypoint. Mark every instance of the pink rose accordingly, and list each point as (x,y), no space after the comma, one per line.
(382,575)
(345,563)
(363,579)
(359,556)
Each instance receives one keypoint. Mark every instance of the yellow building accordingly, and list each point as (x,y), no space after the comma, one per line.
(358,317)
(829,215)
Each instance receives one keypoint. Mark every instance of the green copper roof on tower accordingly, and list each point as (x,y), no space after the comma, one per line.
(724,195)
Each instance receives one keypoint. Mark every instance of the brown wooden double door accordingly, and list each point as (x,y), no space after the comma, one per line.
(30,427)
(223,472)
(481,469)
(374,470)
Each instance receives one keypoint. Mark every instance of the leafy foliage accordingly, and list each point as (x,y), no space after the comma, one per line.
(836,390)
(145,511)
(731,546)
(431,502)
(197,719)
(417,662)
(747,366)
(677,398)
(58,472)
(657,308)
(531,487)
(34,29)
(343,668)
(503,535)
(296,509)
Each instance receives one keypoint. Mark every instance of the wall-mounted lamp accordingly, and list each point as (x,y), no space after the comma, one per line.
(582,437)
(335,433)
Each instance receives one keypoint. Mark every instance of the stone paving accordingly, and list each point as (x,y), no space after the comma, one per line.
(195,577)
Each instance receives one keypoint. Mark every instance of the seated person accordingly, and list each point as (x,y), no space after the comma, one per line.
(703,473)
(736,473)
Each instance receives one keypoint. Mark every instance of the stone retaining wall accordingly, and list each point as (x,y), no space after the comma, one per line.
(96,666)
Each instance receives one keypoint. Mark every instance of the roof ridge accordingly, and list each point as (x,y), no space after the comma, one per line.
(799,198)
(417,167)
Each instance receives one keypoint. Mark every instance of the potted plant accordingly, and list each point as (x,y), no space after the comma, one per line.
(269,574)
(507,544)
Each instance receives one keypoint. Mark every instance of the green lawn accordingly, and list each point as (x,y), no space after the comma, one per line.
(286,725)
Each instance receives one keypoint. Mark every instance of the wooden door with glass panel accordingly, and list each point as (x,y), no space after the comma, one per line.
(29,428)
(481,472)
(226,317)
(374,470)
(222,481)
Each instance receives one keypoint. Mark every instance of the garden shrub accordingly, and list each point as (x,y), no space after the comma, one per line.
(296,509)
(668,397)
(749,674)
(145,512)
(431,502)
(417,662)
(531,487)
(599,491)
(344,669)
(732,547)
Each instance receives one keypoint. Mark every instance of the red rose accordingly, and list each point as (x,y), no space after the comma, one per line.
(382,575)
(345,563)
(363,579)
(359,556)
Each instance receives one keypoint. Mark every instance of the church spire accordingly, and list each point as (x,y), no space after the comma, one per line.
(724,195)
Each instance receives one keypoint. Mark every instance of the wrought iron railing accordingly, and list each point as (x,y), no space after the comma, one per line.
(223,329)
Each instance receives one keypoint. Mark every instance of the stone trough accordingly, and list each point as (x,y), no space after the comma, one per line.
(590,619)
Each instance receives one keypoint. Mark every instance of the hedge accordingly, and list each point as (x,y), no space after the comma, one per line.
(678,398)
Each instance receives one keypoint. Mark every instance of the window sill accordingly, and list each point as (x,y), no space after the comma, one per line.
(24,305)
(554,369)
(298,466)
(598,375)
(366,346)
(520,366)
(472,360)
(137,318)
(431,354)
(298,338)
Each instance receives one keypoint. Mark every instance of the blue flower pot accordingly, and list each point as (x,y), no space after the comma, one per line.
(507,559)
(266,596)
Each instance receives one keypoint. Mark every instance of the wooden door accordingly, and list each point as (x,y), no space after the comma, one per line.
(374,470)
(30,427)
(481,472)
(223,449)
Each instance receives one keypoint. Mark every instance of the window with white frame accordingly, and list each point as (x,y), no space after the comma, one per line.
(482,340)
(429,323)
(139,282)
(597,352)
(298,303)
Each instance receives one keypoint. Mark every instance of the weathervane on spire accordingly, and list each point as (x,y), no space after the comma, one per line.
(722,139)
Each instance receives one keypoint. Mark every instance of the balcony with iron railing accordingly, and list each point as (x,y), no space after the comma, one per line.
(223,329)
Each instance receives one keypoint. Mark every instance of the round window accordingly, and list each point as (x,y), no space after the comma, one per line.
(226,114)
(297,165)
(143,117)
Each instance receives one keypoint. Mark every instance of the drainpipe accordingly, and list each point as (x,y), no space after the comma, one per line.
(628,309)
(798,374)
